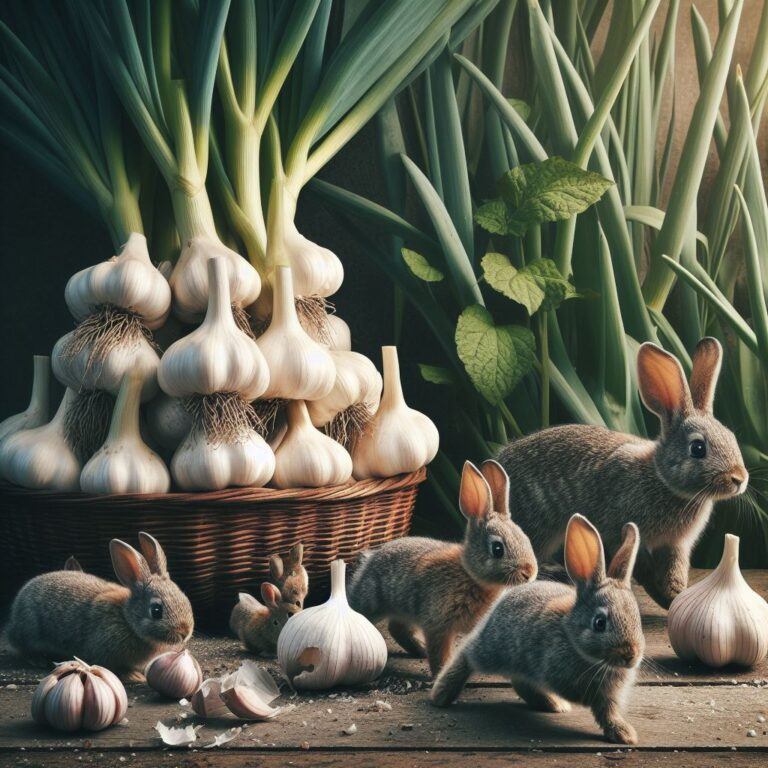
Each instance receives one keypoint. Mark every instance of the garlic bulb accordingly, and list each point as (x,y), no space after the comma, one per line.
(76,696)
(317,271)
(175,674)
(42,458)
(340,337)
(36,412)
(307,457)
(398,438)
(128,280)
(125,463)
(217,356)
(190,278)
(720,620)
(169,421)
(346,648)
(300,368)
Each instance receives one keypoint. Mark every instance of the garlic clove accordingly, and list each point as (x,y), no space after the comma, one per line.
(99,704)
(37,412)
(63,706)
(175,674)
(317,271)
(207,701)
(44,687)
(118,691)
(245,703)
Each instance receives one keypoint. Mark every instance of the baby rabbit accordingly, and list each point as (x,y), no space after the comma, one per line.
(667,485)
(70,613)
(559,643)
(443,588)
(291,576)
(258,626)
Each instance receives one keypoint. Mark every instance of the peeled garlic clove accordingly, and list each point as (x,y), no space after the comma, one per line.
(64,704)
(245,703)
(207,701)
(98,704)
(175,674)
(36,413)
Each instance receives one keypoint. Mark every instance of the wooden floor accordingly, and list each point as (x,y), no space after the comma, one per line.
(685,716)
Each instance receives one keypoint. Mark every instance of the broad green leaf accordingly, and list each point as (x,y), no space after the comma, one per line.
(521,107)
(420,267)
(495,357)
(537,285)
(436,374)
(496,217)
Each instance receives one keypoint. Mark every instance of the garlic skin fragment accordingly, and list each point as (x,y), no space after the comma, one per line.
(306,458)
(217,356)
(720,620)
(41,458)
(125,463)
(398,439)
(299,368)
(37,412)
(350,650)
(175,674)
(128,280)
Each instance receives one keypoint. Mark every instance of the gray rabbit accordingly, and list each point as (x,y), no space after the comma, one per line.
(667,486)
(558,643)
(443,588)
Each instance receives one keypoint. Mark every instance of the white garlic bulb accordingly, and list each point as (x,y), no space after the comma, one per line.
(307,457)
(42,458)
(345,648)
(36,412)
(76,696)
(175,674)
(168,420)
(125,463)
(720,620)
(340,337)
(128,280)
(300,368)
(357,383)
(217,356)
(398,439)
(190,276)
(317,271)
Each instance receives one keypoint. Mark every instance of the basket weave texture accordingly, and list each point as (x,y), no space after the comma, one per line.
(217,543)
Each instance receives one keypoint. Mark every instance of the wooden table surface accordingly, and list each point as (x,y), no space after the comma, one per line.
(685,715)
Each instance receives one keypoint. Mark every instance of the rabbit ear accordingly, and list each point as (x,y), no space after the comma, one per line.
(474,493)
(270,594)
(662,383)
(707,360)
(153,552)
(130,567)
(498,481)
(584,558)
(296,555)
(276,568)
(72,564)
(623,561)
(248,601)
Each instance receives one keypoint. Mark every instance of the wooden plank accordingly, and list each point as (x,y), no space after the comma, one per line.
(701,717)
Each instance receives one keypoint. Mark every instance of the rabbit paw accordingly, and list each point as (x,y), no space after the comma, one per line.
(620,732)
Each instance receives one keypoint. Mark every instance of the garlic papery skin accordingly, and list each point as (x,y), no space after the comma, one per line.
(350,650)
(199,465)
(168,420)
(306,458)
(125,463)
(217,356)
(36,413)
(317,271)
(175,674)
(128,280)
(41,458)
(299,368)
(398,439)
(76,696)
(340,337)
(191,275)
(720,620)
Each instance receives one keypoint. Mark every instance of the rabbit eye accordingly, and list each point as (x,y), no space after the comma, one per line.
(298,602)
(276,622)
(156,611)
(497,549)
(600,623)
(697,449)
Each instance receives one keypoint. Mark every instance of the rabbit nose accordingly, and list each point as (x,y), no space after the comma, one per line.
(738,476)
(184,629)
(526,572)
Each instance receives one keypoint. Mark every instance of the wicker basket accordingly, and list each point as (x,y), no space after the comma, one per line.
(217,543)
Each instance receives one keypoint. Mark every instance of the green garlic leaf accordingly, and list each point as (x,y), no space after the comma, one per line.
(436,374)
(420,267)
(496,217)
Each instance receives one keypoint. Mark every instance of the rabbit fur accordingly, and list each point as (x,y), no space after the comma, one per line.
(290,575)
(259,625)
(546,638)
(613,477)
(443,588)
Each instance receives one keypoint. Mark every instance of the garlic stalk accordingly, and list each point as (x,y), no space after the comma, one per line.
(125,463)
(307,457)
(300,368)
(36,413)
(76,696)
(175,674)
(398,439)
(346,648)
(720,620)
(42,458)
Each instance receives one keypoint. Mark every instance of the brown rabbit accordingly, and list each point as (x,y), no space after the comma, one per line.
(69,613)
(258,626)
(444,588)
(667,486)
(290,575)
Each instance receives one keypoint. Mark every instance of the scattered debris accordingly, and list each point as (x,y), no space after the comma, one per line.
(349,730)
(177,737)
(752,733)
(223,738)
(760,718)
(377,706)
(406,726)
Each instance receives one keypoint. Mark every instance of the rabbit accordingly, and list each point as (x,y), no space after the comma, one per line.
(291,576)
(258,626)
(443,588)
(73,564)
(667,486)
(69,613)
(560,643)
